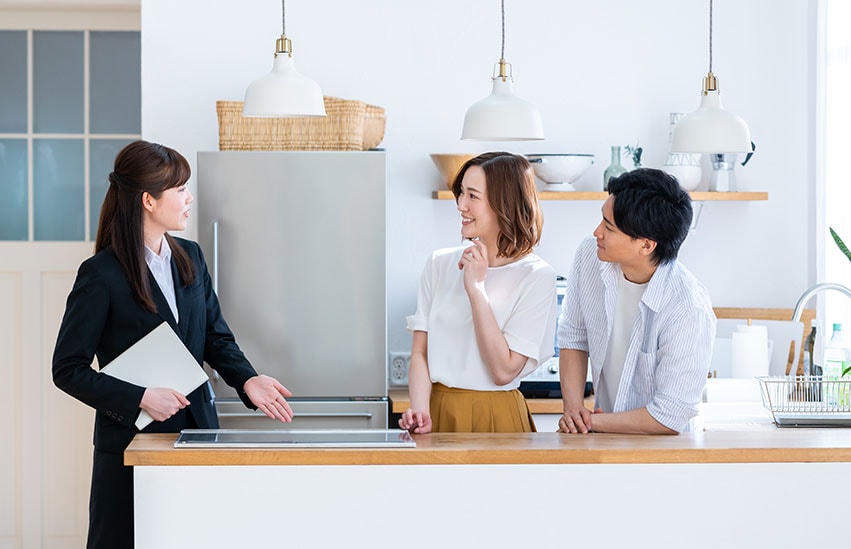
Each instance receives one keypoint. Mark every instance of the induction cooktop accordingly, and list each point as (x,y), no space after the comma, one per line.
(249,438)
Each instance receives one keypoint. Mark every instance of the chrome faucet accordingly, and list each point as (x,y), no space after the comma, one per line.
(818,288)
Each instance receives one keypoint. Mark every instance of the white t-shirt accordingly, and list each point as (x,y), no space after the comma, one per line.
(522,296)
(626,312)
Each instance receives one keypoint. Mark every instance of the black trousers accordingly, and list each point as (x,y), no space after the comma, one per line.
(110,503)
(111,497)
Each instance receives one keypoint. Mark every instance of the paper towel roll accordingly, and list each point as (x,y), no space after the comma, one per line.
(749,351)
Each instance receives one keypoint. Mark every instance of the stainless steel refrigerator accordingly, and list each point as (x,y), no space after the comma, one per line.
(295,242)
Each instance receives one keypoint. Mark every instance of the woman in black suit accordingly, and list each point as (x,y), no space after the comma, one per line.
(139,277)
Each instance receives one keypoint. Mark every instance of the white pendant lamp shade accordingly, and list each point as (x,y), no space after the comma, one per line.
(284,92)
(711,129)
(502,116)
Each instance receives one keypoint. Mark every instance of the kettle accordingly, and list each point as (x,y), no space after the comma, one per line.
(723,178)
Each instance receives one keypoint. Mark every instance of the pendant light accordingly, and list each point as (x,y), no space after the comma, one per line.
(711,129)
(284,92)
(502,116)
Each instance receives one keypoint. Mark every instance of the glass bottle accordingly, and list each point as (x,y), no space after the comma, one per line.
(615,168)
(835,361)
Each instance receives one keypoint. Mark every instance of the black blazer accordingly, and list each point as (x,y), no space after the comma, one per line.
(102,318)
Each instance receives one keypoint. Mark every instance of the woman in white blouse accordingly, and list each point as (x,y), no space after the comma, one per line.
(486,311)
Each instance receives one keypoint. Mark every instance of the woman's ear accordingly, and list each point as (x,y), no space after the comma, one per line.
(148,202)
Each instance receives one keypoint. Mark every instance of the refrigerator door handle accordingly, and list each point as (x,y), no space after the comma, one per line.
(367,415)
(216,272)
(216,257)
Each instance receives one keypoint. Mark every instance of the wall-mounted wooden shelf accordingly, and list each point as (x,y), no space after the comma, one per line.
(585,195)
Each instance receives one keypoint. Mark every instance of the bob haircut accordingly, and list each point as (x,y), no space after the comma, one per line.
(513,197)
(141,167)
(650,204)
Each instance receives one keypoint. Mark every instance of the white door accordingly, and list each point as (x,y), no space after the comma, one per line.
(45,471)
(60,126)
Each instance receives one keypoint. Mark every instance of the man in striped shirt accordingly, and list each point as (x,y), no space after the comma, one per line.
(636,315)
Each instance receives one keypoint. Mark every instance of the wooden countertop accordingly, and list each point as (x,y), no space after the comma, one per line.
(401,401)
(768,446)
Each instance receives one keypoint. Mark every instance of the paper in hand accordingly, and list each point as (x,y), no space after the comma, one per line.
(160,359)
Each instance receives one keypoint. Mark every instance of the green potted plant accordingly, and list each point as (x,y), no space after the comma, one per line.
(844,249)
(635,154)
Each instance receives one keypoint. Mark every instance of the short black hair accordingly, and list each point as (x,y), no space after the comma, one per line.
(650,204)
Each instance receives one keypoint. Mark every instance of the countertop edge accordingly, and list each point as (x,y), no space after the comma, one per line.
(778,446)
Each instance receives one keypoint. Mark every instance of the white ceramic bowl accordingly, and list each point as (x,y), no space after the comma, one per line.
(559,171)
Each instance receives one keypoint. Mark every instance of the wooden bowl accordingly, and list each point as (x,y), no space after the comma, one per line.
(449,164)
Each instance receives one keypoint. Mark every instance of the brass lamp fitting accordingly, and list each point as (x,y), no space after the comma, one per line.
(503,69)
(284,45)
(710,83)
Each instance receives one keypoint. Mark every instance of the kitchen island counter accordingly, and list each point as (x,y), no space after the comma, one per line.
(764,446)
(499,490)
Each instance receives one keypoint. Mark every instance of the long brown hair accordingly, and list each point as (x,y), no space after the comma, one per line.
(513,197)
(140,167)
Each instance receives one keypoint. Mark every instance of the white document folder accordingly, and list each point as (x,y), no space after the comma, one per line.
(160,359)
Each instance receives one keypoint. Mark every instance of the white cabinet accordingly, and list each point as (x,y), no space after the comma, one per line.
(546,423)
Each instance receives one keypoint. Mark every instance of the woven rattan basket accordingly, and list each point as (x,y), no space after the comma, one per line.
(350,125)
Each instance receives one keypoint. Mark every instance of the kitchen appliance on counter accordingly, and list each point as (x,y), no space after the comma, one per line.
(544,382)
(280,438)
(295,242)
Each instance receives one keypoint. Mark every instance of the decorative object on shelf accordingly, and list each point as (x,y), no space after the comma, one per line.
(284,92)
(502,116)
(560,171)
(449,164)
(723,178)
(723,175)
(684,166)
(711,129)
(615,168)
(635,153)
(350,126)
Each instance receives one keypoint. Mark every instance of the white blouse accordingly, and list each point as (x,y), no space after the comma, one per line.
(522,296)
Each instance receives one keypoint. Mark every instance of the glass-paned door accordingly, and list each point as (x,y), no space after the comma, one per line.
(69,101)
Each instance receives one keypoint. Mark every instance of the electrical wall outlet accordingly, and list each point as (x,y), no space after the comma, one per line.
(399,364)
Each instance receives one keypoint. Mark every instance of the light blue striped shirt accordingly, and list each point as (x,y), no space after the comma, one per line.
(670,347)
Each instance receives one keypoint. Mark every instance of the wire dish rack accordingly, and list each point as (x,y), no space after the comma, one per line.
(807,401)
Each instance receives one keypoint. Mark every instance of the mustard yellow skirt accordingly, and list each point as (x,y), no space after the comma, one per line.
(467,411)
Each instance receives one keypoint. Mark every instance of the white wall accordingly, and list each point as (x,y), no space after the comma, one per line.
(602,73)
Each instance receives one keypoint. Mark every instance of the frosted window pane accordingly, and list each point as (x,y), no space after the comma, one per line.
(57,82)
(58,197)
(13,189)
(103,153)
(116,83)
(13,82)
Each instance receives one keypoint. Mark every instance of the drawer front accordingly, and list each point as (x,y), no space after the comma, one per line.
(307,415)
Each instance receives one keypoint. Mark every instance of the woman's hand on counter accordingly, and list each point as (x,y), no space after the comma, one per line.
(268,395)
(415,422)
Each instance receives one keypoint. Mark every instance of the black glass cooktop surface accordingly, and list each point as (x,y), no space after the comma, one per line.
(246,438)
